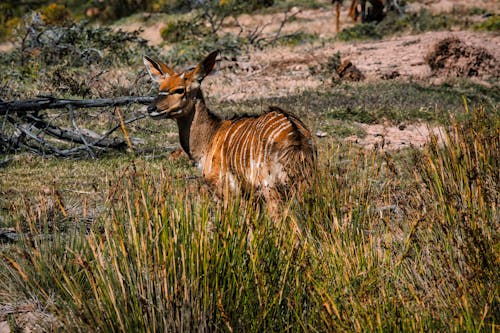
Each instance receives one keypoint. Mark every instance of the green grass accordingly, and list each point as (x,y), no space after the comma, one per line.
(394,25)
(490,24)
(402,241)
(375,102)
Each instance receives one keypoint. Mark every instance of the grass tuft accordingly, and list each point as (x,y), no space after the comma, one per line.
(401,241)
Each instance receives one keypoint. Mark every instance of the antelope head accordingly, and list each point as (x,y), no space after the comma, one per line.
(178,91)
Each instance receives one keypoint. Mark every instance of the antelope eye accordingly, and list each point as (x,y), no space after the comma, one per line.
(179,91)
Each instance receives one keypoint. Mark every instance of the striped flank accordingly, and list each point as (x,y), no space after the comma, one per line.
(263,153)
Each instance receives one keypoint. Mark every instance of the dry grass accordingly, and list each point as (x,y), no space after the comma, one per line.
(402,241)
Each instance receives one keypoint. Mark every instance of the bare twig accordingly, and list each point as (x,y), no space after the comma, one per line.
(282,24)
(36,138)
(253,36)
(77,129)
(69,135)
(33,130)
(49,102)
(98,142)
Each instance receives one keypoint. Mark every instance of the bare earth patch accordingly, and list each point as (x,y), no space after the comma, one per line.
(390,137)
(28,317)
(282,71)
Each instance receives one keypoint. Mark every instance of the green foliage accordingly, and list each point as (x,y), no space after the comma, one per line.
(8,30)
(297,39)
(374,102)
(183,29)
(477,11)
(394,24)
(76,45)
(191,51)
(329,68)
(360,31)
(115,9)
(10,17)
(253,5)
(491,24)
(64,59)
(55,14)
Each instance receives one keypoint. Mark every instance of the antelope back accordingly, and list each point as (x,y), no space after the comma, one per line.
(269,154)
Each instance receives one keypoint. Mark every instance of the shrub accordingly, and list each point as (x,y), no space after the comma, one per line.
(190,51)
(183,29)
(55,14)
(10,27)
(76,44)
(394,24)
(360,31)
(491,24)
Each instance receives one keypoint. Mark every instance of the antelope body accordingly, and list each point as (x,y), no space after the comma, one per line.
(271,155)
(359,11)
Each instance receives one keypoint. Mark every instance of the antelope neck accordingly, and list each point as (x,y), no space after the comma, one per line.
(196,128)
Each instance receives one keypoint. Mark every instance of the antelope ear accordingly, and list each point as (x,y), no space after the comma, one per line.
(206,66)
(156,69)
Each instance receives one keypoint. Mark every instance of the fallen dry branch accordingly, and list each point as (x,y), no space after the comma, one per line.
(43,133)
(49,102)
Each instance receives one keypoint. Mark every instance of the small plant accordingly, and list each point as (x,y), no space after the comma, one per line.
(491,24)
(329,68)
(55,14)
(394,24)
(189,51)
(297,39)
(184,29)
(360,31)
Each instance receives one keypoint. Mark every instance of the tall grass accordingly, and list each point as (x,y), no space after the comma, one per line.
(384,242)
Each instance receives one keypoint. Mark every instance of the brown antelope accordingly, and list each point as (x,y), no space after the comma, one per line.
(358,11)
(271,155)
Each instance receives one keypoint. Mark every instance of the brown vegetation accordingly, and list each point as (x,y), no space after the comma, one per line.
(452,57)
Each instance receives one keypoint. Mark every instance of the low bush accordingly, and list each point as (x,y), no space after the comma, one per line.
(394,24)
(491,24)
(184,29)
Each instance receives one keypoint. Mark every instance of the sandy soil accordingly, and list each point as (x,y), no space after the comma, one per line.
(389,137)
(283,70)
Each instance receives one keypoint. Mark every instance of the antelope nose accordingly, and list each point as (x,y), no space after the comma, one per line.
(151,108)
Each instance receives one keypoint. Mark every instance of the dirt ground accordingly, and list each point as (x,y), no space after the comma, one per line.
(285,70)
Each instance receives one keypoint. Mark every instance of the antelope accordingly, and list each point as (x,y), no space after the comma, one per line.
(272,155)
(358,11)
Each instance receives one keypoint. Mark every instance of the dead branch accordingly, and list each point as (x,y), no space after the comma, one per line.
(33,131)
(255,37)
(49,102)
(282,24)
(73,136)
